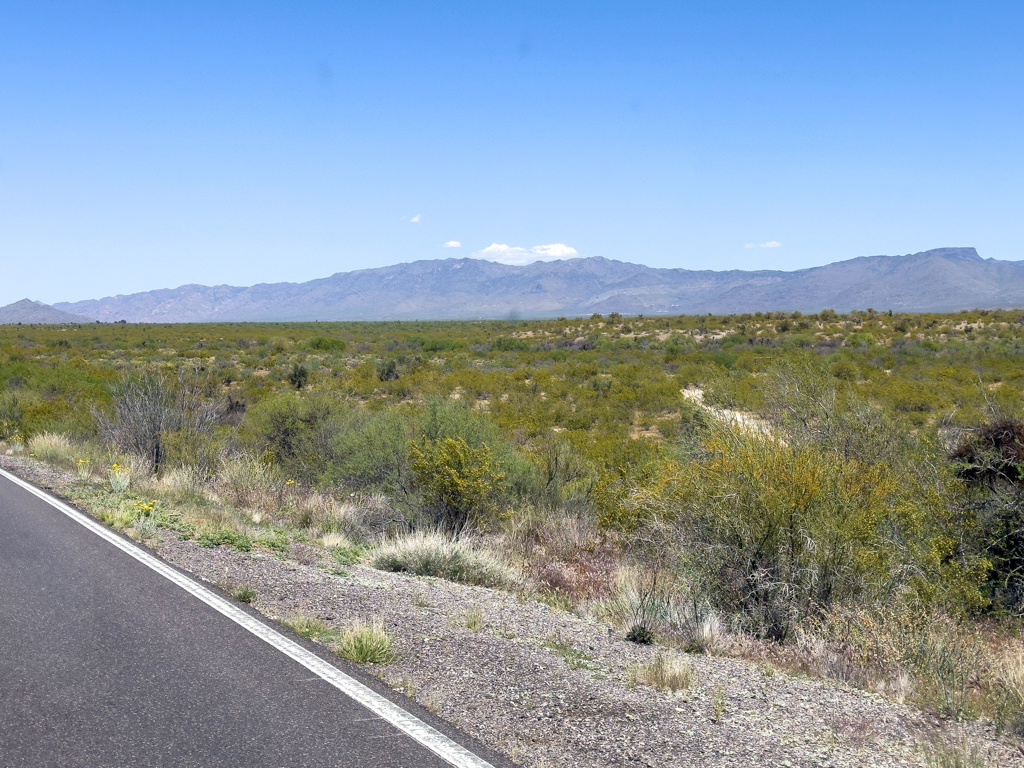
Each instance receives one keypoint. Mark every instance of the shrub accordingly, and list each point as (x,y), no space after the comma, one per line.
(298,432)
(325,344)
(509,344)
(640,635)
(778,531)
(457,480)
(11,416)
(373,451)
(387,370)
(439,555)
(366,643)
(149,408)
(298,376)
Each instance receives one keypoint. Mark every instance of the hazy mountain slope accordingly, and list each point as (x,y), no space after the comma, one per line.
(28,311)
(941,279)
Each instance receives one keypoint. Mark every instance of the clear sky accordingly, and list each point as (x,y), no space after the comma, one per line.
(146,145)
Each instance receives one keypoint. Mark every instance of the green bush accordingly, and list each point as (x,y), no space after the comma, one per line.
(324,344)
(298,431)
(225,536)
(373,451)
(456,481)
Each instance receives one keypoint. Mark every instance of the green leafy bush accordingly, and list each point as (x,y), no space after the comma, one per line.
(456,480)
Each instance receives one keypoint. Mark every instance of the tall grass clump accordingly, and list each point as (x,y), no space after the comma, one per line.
(366,643)
(247,481)
(431,553)
(1009,682)
(956,754)
(672,673)
(53,448)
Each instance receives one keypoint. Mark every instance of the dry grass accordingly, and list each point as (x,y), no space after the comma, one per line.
(181,484)
(673,616)
(956,754)
(1008,678)
(669,672)
(53,448)
(248,482)
(436,554)
(336,540)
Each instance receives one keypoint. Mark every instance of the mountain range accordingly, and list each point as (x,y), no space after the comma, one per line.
(943,279)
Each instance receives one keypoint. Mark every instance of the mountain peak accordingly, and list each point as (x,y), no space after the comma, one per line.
(27,311)
(966,253)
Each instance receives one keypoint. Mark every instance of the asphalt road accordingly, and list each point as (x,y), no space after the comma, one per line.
(105,662)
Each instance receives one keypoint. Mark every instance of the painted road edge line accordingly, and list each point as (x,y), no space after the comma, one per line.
(408,723)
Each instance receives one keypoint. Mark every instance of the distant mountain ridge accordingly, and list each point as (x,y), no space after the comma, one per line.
(27,312)
(943,279)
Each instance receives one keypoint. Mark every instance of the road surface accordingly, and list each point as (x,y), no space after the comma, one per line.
(106,661)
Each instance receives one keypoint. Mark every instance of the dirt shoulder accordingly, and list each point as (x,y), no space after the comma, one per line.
(549,688)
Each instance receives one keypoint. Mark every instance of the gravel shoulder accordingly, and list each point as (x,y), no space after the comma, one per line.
(549,688)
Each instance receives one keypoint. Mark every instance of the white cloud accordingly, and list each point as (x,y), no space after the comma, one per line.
(414,219)
(769,244)
(507,254)
(452,244)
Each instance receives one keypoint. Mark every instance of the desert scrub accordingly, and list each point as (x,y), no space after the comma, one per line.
(366,643)
(436,554)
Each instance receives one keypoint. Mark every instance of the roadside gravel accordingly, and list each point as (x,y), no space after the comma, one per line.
(549,688)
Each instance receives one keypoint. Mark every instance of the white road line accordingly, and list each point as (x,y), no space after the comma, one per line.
(409,724)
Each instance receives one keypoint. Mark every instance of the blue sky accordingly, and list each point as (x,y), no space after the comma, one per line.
(146,145)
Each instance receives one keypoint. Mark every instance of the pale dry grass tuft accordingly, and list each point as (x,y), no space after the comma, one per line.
(53,448)
(336,540)
(672,673)
(436,554)
(246,481)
